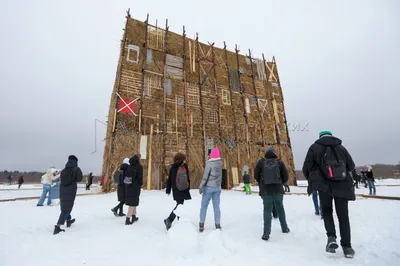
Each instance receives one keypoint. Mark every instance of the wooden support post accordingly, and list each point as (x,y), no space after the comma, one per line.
(185,93)
(176,121)
(255,93)
(164,170)
(140,121)
(149,160)
(270,99)
(144,67)
(217,94)
(243,101)
(201,100)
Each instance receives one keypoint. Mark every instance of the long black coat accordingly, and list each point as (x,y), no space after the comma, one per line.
(179,196)
(132,191)
(316,182)
(121,187)
(70,176)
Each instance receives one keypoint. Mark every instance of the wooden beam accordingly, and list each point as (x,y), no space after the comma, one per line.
(201,101)
(149,160)
(164,170)
(144,66)
(185,93)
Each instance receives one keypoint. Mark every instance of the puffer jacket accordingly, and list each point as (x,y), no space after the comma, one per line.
(49,176)
(212,172)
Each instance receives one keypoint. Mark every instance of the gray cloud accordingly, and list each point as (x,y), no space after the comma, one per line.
(338,64)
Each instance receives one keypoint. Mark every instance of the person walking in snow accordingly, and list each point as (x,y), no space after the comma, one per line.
(370,179)
(133,183)
(20,181)
(70,176)
(55,188)
(9,179)
(271,173)
(119,177)
(356,178)
(286,185)
(89,181)
(317,207)
(210,188)
(47,180)
(179,182)
(246,181)
(326,167)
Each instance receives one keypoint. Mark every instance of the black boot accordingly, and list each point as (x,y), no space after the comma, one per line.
(128,221)
(70,222)
(168,222)
(121,213)
(57,230)
(348,252)
(265,236)
(218,226)
(201,227)
(331,246)
(134,219)
(114,211)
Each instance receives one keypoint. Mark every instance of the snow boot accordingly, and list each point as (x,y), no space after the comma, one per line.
(218,226)
(70,222)
(114,211)
(134,219)
(348,252)
(265,236)
(316,213)
(57,230)
(201,227)
(121,214)
(331,246)
(128,221)
(167,223)
(285,231)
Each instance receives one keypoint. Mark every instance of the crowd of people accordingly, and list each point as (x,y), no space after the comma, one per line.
(328,168)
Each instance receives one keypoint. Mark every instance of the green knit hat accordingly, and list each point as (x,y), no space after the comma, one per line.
(325,132)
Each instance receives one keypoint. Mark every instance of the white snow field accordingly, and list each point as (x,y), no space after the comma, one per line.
(98,238)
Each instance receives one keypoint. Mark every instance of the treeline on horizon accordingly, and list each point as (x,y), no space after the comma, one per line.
(30,177)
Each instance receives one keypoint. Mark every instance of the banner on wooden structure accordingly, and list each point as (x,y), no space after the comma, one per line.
(126,105)
(143,147)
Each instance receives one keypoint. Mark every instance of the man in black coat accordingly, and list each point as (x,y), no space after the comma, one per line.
(70,176)
(90,181)
(121,190)
(341,191)
(179,196)
(272,194)
(133,184)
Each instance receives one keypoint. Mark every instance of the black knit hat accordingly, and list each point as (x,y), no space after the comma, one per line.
(72,157)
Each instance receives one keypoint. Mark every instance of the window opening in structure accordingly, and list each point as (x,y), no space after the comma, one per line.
(151,83)
(213,116)
(247,105)
(181,100)
(168,86)
(226,97)
(253,100)
(193,96)
(155,39)
(133,53)
(149,56)
(234,80)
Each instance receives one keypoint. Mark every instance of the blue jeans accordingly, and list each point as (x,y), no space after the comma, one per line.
(46,189)
(371,185)
(209,193)
(315,200)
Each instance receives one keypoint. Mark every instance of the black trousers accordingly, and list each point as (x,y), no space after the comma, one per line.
(120,206)
(342,211)
(64,216)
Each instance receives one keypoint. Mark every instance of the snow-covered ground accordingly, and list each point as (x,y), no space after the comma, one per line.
(98,238)
(35,190)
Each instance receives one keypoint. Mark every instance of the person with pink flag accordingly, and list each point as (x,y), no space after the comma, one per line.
(210,188)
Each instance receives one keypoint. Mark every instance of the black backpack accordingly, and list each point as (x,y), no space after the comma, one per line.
(333,167)
(271,173)
(119,177)
(181,181)
(67,177)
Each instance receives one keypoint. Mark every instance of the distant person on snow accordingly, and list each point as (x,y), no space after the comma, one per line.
(356,178)
(90,181)
(133,183)
(317,207)
(70,176)
(246,181)
(47,180)
(179,182)
(9,179)
(119,181)
(210,188)
(370,179)
(326,167)
(286,185)
(271,173)
(20,181)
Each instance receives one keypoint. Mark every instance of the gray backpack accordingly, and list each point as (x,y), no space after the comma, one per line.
(271,173)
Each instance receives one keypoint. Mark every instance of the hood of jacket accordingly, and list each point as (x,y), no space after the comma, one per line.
(270,155)
(71,163)
(134,160)
(329,141)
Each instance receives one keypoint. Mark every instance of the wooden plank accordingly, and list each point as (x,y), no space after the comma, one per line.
(149,160)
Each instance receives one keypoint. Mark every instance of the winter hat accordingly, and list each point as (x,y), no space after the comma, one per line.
(324,133)
(271,151)
(126,160)
(215,153)
(72,157)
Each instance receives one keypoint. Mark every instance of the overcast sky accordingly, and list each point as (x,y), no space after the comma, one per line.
(339,65)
